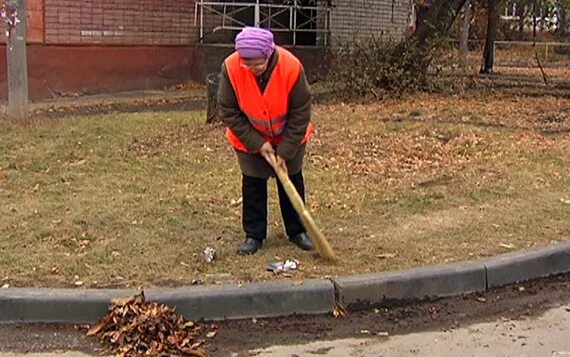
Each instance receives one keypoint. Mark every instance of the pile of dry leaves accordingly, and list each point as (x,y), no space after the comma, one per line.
(134,327)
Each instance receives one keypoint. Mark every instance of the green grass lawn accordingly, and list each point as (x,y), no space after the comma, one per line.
(133,199)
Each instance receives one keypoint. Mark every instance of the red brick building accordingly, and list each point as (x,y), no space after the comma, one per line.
(89,46)
(101,45)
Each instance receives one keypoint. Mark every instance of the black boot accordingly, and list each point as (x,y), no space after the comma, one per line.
(250,246)
(302,241)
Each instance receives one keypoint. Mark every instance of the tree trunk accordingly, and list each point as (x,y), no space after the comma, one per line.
(521,13)
(561,15)
(437,20)
(212,110)
(492,25)
(534,23)
(542,20)
(434,20)
(464,38)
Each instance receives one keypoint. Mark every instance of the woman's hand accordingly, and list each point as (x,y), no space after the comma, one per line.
(282,163)
(266,150)
(268,153)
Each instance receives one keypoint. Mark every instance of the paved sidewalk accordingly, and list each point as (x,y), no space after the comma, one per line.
(132,101)
(544,336)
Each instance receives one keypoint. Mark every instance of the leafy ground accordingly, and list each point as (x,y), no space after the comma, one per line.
(133,199)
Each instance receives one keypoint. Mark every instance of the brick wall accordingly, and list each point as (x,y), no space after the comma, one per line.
(35,20)
(350,19)
(122,22)
(361,18)
(171,22)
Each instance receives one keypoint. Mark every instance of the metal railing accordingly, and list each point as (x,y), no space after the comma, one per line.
(529,43)
(265,15)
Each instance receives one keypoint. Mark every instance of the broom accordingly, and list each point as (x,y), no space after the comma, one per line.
(317,237)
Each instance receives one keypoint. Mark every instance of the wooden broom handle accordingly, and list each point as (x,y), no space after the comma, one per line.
(283,176)
(272,160)
(321,244)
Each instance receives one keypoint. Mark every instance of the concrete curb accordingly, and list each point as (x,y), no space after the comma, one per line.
(268,299)
(56,305)
(273,299)
(362,291)
(525,265)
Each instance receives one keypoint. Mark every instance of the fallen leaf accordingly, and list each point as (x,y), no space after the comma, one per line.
(211,334)
(5,286)
(55,270)
(508,246)
(481,299)
(339,311)
(197,344)
(96,328)
(236,202)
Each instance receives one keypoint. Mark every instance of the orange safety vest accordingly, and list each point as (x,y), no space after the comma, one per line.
(267,111)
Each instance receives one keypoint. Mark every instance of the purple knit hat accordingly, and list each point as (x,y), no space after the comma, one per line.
(254,42)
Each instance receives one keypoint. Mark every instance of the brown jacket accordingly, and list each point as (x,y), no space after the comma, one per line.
(298,118)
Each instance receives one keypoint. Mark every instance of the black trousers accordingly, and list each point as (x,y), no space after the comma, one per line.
(254,217)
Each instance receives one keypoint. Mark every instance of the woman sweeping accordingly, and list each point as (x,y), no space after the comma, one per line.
(265,102)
